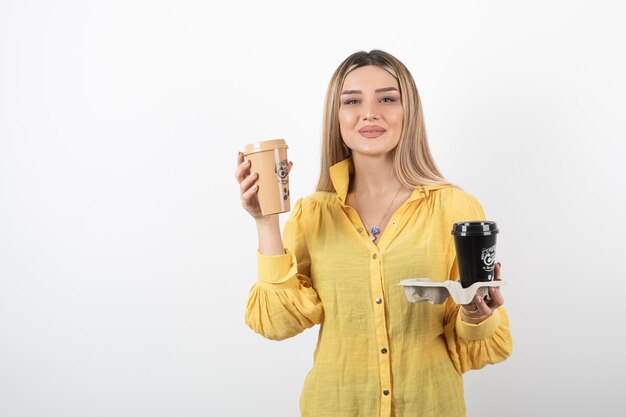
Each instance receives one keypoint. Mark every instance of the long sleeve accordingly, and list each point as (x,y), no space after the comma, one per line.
(472,346)
(283,303)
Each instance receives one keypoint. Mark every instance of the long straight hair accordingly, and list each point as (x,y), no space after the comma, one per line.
(413,163)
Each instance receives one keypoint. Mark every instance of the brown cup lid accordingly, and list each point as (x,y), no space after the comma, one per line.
(265,145)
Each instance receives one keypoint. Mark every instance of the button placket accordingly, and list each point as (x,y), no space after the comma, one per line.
(380,322)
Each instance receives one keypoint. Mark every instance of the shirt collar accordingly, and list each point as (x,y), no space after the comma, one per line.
(340,176)
(341,172)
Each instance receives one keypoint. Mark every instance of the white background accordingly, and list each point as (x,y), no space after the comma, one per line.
(126,259)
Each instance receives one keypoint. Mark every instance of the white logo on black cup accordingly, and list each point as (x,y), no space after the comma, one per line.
(488,256)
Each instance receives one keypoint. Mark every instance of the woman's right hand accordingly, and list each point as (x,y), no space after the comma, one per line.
(248,187)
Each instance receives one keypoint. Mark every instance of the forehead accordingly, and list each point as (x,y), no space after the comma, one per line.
(369,77)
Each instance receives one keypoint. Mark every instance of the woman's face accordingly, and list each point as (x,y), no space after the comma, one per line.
(370,114)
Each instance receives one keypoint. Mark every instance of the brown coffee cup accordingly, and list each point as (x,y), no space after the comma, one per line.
(269,160)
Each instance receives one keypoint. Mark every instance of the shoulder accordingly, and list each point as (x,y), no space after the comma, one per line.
(314,202)
(319,198)
(451,193)
(457,202)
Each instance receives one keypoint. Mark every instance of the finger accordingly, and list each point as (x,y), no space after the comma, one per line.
(497,271)
(497,299)
(240,159)
(248,182)
(250,194)
(242,171)
(471,313)
(469,307)
(289,165)
(483,307)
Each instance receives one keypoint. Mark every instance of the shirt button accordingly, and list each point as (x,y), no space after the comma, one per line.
(383,350)
(378,300)
(360,229)
(386,391)
(375,256)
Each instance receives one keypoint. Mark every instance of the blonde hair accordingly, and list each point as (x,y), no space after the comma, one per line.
(413,163)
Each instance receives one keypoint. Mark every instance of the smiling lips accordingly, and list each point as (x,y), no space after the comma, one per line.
(372,131)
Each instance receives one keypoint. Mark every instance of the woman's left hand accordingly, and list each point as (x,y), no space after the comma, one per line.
(480,310)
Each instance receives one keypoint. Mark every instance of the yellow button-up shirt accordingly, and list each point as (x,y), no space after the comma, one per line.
(377,354)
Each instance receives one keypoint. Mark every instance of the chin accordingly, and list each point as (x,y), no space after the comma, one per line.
(373,152)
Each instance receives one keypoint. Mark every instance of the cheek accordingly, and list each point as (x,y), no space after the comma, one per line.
(345,118)
(395,117)
(346,121)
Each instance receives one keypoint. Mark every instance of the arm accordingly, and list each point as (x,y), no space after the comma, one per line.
(472,346)
(474,343)
(282,303)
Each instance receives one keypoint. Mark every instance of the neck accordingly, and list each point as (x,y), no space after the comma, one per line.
(373,175)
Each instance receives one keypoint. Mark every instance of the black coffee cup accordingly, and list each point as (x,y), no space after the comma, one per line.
(475,243)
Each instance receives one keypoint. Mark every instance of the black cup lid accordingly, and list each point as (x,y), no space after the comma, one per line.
(474,228)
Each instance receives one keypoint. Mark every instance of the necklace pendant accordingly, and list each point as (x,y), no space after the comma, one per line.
(375,230)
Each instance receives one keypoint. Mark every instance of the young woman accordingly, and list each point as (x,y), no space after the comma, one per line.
(382,213)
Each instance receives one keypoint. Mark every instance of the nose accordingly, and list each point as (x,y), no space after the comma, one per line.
(370,113)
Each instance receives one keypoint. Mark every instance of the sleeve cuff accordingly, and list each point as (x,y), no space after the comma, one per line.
(276,269)
(480,331)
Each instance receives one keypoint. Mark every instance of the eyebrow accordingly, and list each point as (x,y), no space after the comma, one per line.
(380,90)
